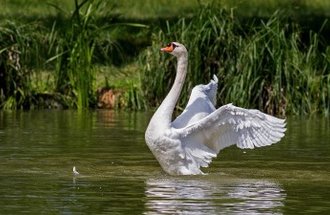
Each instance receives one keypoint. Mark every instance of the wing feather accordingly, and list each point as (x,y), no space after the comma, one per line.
(230,125)
(201,103)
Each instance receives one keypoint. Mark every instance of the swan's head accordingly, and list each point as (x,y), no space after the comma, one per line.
(175,48)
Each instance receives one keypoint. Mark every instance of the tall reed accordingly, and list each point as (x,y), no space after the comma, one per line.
(80,45)
(260,64)
(74,52)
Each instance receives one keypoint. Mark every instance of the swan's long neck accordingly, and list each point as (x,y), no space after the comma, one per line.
(164,113)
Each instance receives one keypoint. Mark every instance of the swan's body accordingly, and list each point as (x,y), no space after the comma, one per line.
(196,136)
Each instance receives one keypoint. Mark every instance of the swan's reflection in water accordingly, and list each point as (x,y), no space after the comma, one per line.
(204,196)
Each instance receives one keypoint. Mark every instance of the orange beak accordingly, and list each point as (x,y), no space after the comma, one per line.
(167,48)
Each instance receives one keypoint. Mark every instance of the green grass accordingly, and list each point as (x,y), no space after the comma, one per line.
(150,9)
(14,81)
(260,65)
(274,61)
(75,72)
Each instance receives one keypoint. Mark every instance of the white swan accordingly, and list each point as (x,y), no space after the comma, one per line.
(196,136)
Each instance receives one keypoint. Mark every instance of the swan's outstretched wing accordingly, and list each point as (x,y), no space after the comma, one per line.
(201,103)
(231,125)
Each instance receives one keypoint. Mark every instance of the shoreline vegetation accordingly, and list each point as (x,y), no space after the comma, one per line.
(99,54)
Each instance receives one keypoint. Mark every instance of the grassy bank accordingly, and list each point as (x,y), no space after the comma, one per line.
(65,57)
(264,65)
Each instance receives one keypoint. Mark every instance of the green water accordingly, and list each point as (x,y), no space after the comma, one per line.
(118,174)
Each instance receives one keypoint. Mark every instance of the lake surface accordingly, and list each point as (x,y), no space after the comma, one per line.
(119,175)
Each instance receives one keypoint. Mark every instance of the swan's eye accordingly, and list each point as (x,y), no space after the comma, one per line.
(169,45)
